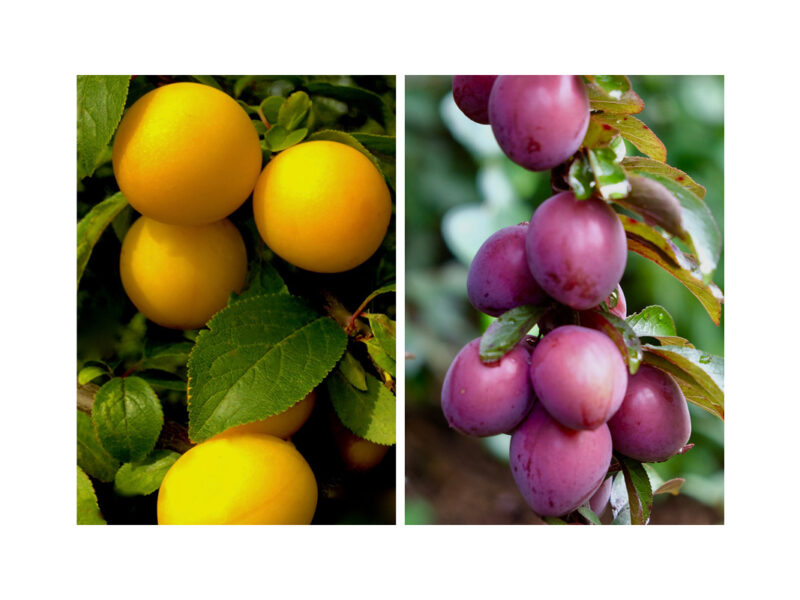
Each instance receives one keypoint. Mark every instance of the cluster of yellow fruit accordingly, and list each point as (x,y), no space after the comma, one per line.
(186,156)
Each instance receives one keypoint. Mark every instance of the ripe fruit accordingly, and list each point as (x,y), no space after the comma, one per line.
(557,469)
(248,478)
(653,422)
(576,249)
(357,453)
(486,399)
(322,206)
(471,94)
(499,278)
(186,154)
(539,120)
(600,498)
(282,425)
(179,276)
(579,376)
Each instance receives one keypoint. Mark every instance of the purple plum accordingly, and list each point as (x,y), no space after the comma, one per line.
(471,93)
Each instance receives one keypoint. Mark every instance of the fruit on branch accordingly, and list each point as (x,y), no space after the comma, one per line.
(487,399)
(471,94)
(186,154)
(576,249)
(179,276)
(247,478)
(653,422)
(555,468)
(356,453)
(499,278)
(539,120)
(579,376)
(322,206)
(600,498)
(282,425)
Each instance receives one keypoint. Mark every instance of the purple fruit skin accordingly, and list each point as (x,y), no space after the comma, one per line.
(482,400)
(539,120)
(471,93)
(653,422)
(576,250)
(599,500)
(499,278)
(557,469)
(579,376)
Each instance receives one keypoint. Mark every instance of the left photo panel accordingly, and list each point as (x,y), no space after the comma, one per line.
(236,270)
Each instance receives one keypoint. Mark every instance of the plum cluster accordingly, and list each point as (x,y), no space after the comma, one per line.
(566,398)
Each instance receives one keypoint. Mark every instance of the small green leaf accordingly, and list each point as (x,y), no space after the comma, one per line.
(353,372)
(588,514)
(612,100)
(101,100)
(123,221)
(655,204)
(166,356)
(292,112)
(640,494)
(144,477)
(554,521)
(91,371)
(379,357)
(701,372)
(581,178)
(655,322)
(259,357)
(271,107)
(508,330)
(673,486)
(613,85)
(127,417)
(599,135)
(637,133)
(370,102)
(241,83)
(644,166)
(163,379)
(92,458)
(619,331)
(384,330)
(92,226)
(88,510)
(608,175)
(370,414)
(278,138)
(381,144)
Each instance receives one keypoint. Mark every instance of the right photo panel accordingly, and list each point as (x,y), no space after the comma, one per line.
(564,299)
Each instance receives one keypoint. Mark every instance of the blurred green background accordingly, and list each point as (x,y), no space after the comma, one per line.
(460,189)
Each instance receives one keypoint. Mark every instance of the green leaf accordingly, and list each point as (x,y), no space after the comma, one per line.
(507,331)
(554,521)
(652,321)
(581,178)
(208,80)
(613,85)
(588,514)
(127,417)
(637,133)
(619,331)
(263,279)
(370,414)
(370,102)
(701,373)
(384,330)
(166,356)
(382,144)
(611,98)
(644,166)
(640,494)
(651,244)
(88,510)
(292,112)
(163,379)
(379,357)
(92,458)
(353,372)
(101,100)
(620,509)
(123,221)
(92,226)
(278,138)
(144,477)
(608,175)
(699,229)
(673,486)
(259,357)
(655,204)
(271,107)
(598,135)
(91,371)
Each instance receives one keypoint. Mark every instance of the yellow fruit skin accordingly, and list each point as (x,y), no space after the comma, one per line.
(322,206)
(357,453)
(186,154)
(281,425)
(246,479)
(179,276)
